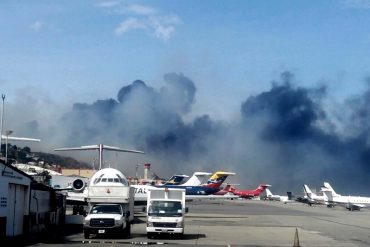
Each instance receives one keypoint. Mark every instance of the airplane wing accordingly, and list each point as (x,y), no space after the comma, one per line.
(122,150)
(97,147)
(13,138)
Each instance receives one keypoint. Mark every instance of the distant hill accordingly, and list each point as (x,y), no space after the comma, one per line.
(62,161)
(25,155)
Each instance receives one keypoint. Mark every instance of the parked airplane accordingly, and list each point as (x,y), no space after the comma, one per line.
(225,190)
(285,199)
(248,193)
(79,190)
(195,180)
(349,202)
(192,192)
(217,179)
(313,198)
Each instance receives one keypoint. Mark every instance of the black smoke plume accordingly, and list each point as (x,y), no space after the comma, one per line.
(285,136)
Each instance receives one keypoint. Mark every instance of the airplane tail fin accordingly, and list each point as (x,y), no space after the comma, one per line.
(328,186)
(328,194)
(197,179)
(261,188)
(268,193)
(307,191)
(290,195)
(217,179)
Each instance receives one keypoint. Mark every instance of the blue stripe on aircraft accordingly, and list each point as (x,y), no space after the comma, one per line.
(192,190)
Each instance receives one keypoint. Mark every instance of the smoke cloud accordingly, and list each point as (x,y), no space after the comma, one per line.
(284,136)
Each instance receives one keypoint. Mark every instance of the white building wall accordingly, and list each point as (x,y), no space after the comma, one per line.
(14,200)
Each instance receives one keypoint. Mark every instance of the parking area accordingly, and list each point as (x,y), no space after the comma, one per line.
(249,223)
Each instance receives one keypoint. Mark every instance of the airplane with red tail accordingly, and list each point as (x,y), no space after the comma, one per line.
(246,193)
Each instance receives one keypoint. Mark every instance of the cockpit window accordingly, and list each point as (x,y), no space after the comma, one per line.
(111,178)
(122,180)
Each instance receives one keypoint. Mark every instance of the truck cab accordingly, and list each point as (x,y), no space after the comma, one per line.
(165,211)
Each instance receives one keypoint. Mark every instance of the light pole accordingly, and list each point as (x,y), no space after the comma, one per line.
(2,121)
(7,133)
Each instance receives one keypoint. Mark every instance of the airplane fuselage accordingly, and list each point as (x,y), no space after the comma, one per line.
(351,202)
(189,190)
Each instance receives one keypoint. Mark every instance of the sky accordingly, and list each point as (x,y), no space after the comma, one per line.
(214,74)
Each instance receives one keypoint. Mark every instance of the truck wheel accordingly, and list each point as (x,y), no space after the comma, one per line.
(127,230)
(86,234)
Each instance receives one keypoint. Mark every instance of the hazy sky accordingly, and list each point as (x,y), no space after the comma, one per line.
(86,50)
(54,54)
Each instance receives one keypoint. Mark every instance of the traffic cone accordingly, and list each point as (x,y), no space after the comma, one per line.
(296,239)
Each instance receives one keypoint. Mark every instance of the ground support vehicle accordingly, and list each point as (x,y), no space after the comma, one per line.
(165,211)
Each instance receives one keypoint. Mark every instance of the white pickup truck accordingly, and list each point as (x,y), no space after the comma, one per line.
(165,211)
(107,219)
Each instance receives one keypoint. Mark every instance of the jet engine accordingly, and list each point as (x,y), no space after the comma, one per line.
(78,185)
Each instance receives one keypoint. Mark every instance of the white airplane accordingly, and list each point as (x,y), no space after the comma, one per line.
(195,180)
(107,183)
(349,202)
(106,175)
(195,188)
(314,198)
(273,197)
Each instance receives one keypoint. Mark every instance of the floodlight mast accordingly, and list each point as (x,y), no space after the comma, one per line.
(2,121)
(7,133)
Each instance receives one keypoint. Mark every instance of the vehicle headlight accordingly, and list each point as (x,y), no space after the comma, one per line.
(86,221)
(149,224)
(180,224)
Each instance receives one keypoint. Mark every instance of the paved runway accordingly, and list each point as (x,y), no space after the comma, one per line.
(254,223)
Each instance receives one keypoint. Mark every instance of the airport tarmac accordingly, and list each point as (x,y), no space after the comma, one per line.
(251,223)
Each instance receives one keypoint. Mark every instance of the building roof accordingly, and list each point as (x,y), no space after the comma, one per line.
(16,170)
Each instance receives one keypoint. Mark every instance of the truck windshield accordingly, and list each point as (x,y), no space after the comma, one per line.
(106,209)
(165,208)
